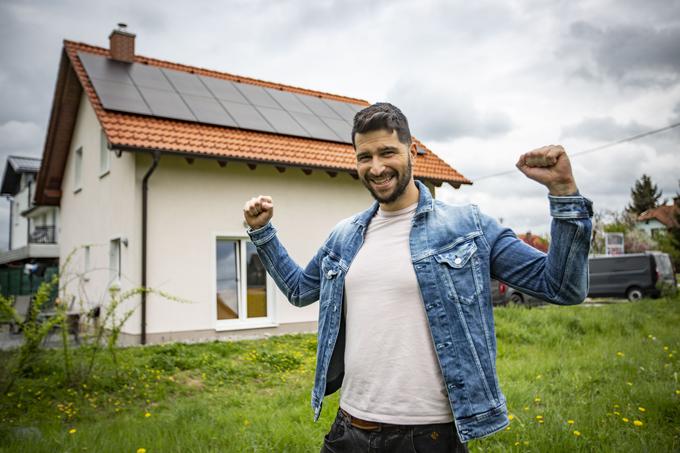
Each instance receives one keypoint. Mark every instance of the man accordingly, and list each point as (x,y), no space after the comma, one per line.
(405,317)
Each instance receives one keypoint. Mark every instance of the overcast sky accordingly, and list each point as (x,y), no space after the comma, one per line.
(481,82)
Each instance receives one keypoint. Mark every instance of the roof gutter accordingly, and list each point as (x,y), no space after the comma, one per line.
(145,190)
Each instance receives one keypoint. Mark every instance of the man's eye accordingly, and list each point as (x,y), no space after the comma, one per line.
(363,158)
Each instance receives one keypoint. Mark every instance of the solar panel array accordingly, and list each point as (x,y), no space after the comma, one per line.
(166,93)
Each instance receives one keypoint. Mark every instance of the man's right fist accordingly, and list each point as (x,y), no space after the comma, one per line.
(258,211)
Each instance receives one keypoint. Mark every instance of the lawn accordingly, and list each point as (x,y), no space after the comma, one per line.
(577,378)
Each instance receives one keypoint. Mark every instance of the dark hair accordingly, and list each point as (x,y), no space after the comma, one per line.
(382,115)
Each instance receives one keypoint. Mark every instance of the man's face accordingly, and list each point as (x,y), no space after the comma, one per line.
(383,164)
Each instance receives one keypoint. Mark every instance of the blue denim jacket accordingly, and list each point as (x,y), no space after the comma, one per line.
(455,250)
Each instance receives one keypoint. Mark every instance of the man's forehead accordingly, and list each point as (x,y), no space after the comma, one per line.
(379,138)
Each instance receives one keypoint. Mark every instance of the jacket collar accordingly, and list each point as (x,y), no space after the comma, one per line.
(425,204)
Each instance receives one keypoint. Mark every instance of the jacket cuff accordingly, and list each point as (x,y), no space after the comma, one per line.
(570,207)
(262,235)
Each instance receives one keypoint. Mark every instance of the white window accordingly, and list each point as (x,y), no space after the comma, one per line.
(87,263)
(104,154)
(241,293)
(78,169)
(114,261)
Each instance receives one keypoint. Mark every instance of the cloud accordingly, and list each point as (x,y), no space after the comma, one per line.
(630,54)
(442,114)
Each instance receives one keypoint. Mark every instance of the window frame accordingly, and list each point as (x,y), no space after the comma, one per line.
(78,170)
(242,322)
(104,151)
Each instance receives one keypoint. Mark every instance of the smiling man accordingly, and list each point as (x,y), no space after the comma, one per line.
(405,321)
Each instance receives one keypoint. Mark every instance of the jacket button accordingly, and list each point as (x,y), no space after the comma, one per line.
(458,261)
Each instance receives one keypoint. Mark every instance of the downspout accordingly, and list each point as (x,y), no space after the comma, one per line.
(145,190)
(11,219)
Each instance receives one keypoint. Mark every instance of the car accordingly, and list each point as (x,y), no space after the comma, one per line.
(512,296)
(633,275)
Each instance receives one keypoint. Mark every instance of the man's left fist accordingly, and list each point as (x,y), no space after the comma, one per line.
(550,166)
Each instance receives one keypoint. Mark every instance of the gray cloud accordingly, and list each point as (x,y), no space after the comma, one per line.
(440,114)
(630,54)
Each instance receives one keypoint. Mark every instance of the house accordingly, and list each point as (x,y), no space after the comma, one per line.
(150,163)
(659,219)
(32,230)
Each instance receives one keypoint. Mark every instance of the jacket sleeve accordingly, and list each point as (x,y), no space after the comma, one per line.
(561,276)
(301,286)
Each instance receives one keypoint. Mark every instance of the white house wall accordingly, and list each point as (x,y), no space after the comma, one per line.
(189,204)
(19,223)
(103,209)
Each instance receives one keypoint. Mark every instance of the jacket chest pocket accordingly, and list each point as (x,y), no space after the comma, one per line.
(459,270)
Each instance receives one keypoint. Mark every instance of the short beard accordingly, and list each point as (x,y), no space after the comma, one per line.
(402,184)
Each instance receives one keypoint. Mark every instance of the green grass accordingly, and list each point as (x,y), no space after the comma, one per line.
(593,365)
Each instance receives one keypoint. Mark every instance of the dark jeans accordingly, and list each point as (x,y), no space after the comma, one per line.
(435,438)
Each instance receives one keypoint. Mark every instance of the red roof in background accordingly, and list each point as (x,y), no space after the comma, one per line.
(664,214)
(131,131)
(536,242)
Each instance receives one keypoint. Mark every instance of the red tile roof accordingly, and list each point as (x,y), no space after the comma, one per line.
(139,132)
(664,214)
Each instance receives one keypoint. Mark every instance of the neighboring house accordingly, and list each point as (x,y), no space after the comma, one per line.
(151,163)
(33,229)
(536,242)
(661,218)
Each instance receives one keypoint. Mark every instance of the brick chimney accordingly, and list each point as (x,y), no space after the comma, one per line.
(122,44)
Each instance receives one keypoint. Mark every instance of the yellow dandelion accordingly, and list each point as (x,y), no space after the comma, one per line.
(665,348)
(141,450)
(577,433)
(670,356)
(526,408)
(72,431)
(677,392)
(537,400)
(637,423)
(625,419)
(147,415)
(570,422)
(629,383)
(539,417)
(617,413)
(507,429)
(516,444)
(539,376)
(616,406)
(511,417)
(642,409)
(620,354)
(540,421)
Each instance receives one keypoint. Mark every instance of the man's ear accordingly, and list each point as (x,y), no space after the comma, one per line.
(413,150)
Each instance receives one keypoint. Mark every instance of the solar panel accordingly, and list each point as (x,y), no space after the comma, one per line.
(149,77)
(288,101)
(317,106)
(120,96)
(168,93)
(257,96)
(166,104)
(105,69)
(341,128)
(282,122)
(223,89)
(341,108)
(315,126)
(209,110)
(246,116)
(186,83)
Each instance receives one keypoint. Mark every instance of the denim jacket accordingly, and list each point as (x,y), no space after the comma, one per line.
(455,250)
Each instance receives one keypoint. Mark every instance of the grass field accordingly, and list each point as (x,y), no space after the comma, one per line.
(577,378)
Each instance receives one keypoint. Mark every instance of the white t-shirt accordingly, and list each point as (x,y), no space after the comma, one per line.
(391,370)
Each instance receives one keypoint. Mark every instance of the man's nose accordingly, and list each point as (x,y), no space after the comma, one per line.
(377,167)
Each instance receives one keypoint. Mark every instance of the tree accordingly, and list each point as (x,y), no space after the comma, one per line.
(644,195)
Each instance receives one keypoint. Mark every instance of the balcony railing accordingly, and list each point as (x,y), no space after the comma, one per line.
(43,235)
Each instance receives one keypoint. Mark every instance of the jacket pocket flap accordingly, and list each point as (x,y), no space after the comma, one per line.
(330,268)
(458,256)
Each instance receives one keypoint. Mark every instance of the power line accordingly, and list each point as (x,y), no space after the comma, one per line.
(590,150)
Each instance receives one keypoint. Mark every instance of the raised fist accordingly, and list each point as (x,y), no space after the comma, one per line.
(258,211)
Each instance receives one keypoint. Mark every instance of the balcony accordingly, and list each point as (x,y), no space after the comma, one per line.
(42,235)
